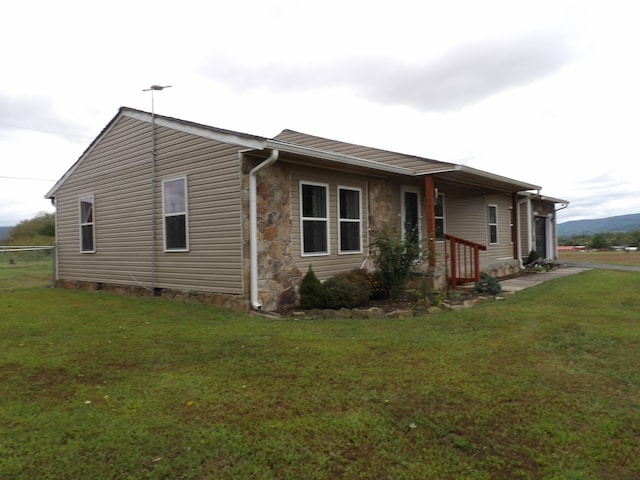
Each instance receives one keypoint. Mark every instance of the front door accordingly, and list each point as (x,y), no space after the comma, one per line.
(541,236)
(410,213)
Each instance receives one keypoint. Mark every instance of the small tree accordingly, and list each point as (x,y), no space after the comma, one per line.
(599,241)
(311,292)
(395,257)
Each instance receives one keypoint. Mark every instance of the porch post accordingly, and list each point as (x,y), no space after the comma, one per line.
(430,208)
(514,225)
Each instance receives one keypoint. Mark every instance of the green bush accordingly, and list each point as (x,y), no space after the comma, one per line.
(533,257)
(311,291)
(488,285)
(379,289)
(395,258)
(347,290)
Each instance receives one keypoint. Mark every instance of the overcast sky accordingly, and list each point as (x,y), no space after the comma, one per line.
(547,92)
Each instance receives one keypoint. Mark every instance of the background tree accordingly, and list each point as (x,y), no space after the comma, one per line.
(599,241)
(39,230)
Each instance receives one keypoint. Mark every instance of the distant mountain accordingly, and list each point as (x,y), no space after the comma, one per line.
(620,223)
(4,232)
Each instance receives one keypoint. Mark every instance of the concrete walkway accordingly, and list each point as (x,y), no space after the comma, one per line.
(531,279)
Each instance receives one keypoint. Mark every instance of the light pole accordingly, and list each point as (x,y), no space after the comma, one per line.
(152,89)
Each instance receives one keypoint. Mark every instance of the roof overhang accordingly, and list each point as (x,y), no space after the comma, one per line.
(473,178)
(337,158)
(544,198)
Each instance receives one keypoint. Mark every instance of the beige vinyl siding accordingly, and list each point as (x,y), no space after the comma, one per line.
(117,172)
(325,266)
(503,250)
(466,216)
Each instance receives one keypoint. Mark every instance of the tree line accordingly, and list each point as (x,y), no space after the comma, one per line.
(39,230)
(602,240)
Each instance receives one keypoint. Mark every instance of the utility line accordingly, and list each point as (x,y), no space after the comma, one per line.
(27,178)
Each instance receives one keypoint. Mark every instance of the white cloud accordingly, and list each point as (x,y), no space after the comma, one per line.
(544,92)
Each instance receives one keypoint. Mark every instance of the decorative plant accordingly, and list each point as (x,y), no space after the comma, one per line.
(488,285)
(395,257)
(311,291)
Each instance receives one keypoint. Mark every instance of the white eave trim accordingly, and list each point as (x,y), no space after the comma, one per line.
(336,157)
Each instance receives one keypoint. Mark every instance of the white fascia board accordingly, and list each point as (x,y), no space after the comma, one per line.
(336,157)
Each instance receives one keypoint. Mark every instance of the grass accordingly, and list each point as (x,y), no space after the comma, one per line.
(542,385)
(613,258)
(25,274)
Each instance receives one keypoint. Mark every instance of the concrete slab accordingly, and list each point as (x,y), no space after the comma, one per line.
(531,279)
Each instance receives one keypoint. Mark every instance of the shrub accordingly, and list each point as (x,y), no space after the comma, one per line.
(347,290)
(379,289)
(488,285)
(533,257)
(395,258)
(311,291)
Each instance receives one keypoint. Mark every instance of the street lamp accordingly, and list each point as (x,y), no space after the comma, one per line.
(152,89)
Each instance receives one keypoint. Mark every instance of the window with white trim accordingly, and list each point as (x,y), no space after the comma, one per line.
(492,214)
(314,218)
(439,217)
(87,225)
(349,220)
(174,212)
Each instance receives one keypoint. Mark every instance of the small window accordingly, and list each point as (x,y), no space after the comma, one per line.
(174,211)
(349,220)
(315,218)
(493,224)
(87,225)
(439,217)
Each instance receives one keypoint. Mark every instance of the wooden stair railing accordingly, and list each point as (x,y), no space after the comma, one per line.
(462,259)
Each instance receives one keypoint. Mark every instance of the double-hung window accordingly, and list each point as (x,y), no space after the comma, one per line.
(314,199)
(492,214)
(350,220)
(439,217)
(174,211)
(87,225)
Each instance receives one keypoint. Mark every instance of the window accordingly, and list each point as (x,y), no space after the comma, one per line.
(87,225)
(314,218)
(439,217)
(493,223)
(349,220)
(410,213)
(174,210)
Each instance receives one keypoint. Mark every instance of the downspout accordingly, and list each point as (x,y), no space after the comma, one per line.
(555,229)
(253,226)
(518,232)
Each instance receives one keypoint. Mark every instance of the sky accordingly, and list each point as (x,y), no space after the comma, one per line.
(546,92)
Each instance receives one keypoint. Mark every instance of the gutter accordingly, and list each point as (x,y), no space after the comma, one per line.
(253,226)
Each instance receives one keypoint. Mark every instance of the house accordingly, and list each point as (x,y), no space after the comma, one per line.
(162,206)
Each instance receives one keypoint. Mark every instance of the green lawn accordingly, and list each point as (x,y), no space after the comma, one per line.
(610,257)
(545,384)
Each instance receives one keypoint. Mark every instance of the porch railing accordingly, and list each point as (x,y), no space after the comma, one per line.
(463,260)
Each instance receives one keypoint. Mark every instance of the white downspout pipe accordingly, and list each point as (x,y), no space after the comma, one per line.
(253,227)
(519,229)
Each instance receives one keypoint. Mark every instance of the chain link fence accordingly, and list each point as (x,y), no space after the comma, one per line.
(17,256)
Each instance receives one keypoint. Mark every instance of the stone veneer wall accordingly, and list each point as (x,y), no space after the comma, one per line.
(381,195)
(278,276)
